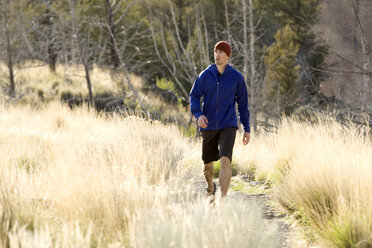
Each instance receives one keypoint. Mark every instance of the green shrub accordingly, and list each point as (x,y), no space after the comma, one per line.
(348,231)
(55,85)
(55,88)
(188,132)
(27,163)
(65,95)
(131,103)
(165,84)
(247,188)
(281,168)
(68,81)
(217,168)
(40,93)
(102,93)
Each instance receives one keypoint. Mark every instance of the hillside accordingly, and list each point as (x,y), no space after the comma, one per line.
(338,26)
(37,86)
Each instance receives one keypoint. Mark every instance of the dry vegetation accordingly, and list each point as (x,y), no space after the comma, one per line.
(75,178)
(321,172)
(35,82)
(36,85)
(72,178)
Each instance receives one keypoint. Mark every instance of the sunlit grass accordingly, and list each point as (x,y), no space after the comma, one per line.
(34,79)
(75,178)
(321,172)
(249,188)
(35,85)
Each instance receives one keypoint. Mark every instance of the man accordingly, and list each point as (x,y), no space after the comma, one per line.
(221,86)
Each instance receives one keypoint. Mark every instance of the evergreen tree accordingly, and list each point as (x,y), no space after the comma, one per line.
(301,15)
(282,70)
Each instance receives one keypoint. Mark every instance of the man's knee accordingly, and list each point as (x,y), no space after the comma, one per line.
(209,165)
(225,161)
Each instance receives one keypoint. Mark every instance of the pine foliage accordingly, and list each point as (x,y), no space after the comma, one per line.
(283,69)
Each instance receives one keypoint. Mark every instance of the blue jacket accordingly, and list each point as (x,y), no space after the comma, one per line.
(220,95)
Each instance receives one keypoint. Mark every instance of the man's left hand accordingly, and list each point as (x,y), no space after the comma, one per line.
(246,138)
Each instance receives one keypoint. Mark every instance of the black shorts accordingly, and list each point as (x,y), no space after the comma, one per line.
(213,139)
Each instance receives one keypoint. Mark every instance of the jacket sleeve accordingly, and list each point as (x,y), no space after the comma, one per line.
(242,99)
(195,95)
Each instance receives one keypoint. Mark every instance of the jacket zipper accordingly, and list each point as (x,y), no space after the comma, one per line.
(218,86)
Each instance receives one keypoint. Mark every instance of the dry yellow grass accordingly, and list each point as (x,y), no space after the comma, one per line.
(72,178)
(35,85)
(322,173)
(31,77)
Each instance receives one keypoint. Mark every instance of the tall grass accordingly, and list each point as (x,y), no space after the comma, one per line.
(72,178)
(35,81)
(322,173)
(36,85)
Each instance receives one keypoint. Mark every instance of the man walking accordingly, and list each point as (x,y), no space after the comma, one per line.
(221,86)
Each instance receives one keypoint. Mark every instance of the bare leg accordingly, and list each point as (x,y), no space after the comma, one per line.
(208,174)
(225,175)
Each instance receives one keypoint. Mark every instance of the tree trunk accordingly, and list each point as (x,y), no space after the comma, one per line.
(356,27)
(253,79)
(114,58)
(9,52)
(129,82)
(365,91)
(203,50)
(89,84)
(81,52)
(227,22)
(52,56)
(245,45)
(249,58)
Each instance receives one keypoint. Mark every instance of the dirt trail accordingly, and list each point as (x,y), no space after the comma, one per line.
(263,202)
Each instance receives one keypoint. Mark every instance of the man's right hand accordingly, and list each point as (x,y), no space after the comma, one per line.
(202,121)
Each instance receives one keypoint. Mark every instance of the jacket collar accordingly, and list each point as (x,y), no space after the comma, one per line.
(213,69)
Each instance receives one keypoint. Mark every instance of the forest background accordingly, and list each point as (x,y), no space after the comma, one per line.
(294,54)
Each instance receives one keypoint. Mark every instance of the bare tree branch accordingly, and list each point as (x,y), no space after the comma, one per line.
(364,37)
(82,52)
(330,50)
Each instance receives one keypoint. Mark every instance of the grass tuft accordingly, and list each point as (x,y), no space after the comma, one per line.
(321,173)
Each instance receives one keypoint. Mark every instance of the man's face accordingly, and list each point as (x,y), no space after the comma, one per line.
(220,57)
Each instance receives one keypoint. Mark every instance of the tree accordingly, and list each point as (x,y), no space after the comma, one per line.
(245,30)
(42,26)
(250,60)
(283,70)
(83,48)
(9,49)
(182,56)
(348,62)
(301,15)
(365,89)
(116,14)
(48,21)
